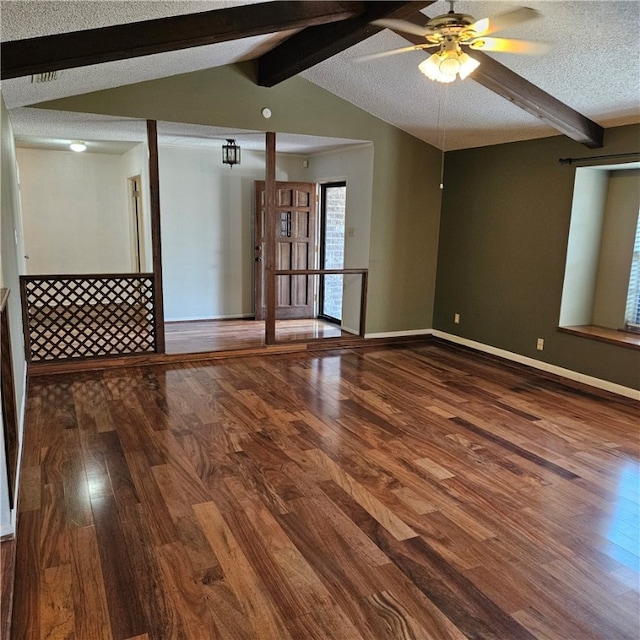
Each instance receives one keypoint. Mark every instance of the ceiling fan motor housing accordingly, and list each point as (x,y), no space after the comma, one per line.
(449,24)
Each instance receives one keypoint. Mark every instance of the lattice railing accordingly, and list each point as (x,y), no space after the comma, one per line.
(85,316)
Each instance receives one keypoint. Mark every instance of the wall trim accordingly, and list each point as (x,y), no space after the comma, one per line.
(619,389)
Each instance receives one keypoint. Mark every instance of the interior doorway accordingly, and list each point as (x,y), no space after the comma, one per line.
(137,237)
(294,233)
(333,197)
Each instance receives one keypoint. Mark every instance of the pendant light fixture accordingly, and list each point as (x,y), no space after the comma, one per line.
(230,153)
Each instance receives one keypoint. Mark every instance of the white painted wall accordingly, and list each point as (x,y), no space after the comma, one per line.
(207,230)
(585,233)
(355,166)
(10,263)
(75,212)
(81,200)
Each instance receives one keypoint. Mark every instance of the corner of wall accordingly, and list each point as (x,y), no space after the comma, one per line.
(10,270)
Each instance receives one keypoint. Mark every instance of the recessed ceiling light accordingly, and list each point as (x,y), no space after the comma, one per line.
(78,146)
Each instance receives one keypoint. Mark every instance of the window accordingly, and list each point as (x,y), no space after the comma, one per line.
(602,274)
(333,198)
(632,314)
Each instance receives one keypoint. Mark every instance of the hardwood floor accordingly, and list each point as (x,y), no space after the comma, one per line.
(410,492)
(7,574)
(225,335)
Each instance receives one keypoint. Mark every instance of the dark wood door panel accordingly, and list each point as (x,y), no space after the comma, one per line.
(294,235)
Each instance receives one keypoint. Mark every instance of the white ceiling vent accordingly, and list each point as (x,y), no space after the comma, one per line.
(49,76)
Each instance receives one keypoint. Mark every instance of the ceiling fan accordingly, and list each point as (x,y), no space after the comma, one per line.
(452,31)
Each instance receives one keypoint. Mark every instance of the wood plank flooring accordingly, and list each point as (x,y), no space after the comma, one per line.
(415,492)
(225,335)
(7,574)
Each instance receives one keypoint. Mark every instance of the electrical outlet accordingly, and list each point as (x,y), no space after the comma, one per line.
(456,318)
(540,344)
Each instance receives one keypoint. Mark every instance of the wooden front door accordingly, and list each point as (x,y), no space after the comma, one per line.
(294,235)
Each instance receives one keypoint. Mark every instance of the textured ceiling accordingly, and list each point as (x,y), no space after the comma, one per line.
(594,67)
(590,68)
(43,129)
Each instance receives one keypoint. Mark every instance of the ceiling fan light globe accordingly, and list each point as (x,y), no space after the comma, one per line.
(450,66)
(467,65)
(446,66)
(431,67)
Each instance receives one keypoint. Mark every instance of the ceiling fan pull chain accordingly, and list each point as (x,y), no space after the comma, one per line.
(442,113)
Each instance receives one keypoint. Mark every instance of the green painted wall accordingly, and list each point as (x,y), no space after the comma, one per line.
(406,194)
(503,237)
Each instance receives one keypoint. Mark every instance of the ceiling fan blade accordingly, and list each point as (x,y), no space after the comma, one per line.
(402,25)
(503,20)
(509,45)
(392,52)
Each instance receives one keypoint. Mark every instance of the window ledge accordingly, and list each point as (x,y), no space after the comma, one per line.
(627,339)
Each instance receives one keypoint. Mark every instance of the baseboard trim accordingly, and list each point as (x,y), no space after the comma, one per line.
(236,316)
(399,334)
(605,385)
(7,531)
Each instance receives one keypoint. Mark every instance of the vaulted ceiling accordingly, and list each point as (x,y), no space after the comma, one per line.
(589,80)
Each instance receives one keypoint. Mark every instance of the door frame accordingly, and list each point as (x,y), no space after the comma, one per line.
(322,244)
(134,194)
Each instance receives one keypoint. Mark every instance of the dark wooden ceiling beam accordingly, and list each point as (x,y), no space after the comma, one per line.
(524,94)
(317,43)
(117,42)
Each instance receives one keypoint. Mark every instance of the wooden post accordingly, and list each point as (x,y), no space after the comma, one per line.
(156,245)
(364,283)
(270,239)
